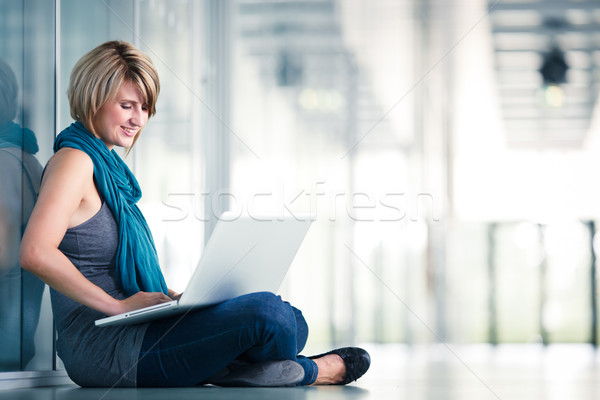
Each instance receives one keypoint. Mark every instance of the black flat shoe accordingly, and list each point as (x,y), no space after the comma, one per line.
(357,362)
(266,374)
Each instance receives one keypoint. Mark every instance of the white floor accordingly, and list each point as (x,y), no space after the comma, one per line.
(484,372)
(437,372)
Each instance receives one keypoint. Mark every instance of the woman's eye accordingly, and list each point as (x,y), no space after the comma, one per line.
(125,107)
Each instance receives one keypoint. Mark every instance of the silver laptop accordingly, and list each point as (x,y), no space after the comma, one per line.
(243,255)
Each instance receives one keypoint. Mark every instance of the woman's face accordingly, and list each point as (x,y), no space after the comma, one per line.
(120,119)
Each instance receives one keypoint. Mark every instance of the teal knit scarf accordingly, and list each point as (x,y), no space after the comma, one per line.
(13,135)
(137,261)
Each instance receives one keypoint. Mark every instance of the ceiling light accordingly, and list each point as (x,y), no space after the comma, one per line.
(554,68)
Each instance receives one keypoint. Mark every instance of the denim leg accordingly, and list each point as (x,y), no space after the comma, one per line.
(186,350)
(310,368)
(298,325)
(301,330)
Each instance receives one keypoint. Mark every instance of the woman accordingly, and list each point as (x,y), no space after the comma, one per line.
(88,241)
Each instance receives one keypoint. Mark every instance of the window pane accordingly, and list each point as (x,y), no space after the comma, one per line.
(307,135)
(168,157)
(26,135)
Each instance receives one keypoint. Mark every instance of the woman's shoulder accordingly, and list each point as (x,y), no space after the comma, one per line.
(70,164)
(69,158)
(71,155)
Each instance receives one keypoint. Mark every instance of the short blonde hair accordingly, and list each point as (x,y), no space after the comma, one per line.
(98,76)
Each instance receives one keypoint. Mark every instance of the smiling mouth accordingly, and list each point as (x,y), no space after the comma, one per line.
(129,131)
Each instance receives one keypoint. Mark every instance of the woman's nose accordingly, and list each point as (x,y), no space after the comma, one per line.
(139,116)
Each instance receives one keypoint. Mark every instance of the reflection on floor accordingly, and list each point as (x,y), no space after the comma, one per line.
(522,372)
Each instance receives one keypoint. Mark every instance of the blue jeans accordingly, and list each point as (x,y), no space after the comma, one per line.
(186,351)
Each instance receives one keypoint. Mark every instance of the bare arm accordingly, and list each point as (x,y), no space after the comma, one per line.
(67,185)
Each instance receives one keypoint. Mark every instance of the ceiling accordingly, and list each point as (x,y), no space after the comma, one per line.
(524,33)
(300,44)
(302,47)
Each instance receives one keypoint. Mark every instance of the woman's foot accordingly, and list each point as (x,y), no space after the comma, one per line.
(332,370)
(341,366)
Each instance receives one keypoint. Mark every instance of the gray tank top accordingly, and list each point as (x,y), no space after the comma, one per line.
(95,356)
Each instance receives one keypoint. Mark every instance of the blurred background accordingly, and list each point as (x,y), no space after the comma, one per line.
(448,150)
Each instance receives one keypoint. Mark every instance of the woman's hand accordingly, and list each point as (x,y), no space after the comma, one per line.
(174,295)
(141,300)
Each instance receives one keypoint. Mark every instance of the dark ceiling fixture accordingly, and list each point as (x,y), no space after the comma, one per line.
(554,74)
(554,68)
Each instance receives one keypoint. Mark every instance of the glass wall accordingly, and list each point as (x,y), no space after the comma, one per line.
(170,161)
(26,134)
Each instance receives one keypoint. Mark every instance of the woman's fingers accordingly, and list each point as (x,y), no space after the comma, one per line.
(143,299)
